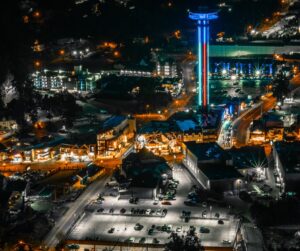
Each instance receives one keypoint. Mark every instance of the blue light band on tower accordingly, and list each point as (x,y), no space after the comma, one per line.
(203,19)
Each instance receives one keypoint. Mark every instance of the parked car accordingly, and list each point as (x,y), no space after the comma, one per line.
(150,231)
(204,230)
(245,196)
(155,241)
(142,240)
(111,230)
(190,203)
(138,227)
(130,240)
(100,210)
(155,202)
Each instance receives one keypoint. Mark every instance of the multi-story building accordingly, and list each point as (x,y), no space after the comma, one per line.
(166,137)
(287,165)
(166,70)
(77,153)
(115,136)
(77,80)
(211,167)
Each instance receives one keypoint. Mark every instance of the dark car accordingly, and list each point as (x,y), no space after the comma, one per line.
(111,230)
(123,210)
(155,241)
(100,210)
(245,196)
(221,222)
(111,210)
(190,203)
(133,200)
(150,231)
(142,240)
(138,227)
(204,230)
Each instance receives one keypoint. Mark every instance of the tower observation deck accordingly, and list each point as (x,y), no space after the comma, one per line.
(203,18)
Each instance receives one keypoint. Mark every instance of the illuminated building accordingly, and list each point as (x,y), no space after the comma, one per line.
(166,69)
(70,152)
(203,19)
(115,136)
(78,80)
(211,167)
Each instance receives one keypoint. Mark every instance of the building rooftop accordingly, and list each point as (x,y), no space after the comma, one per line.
(248,157)
(187,125)
(289,155)
(201,120)
(144,168)
(219,171)
(27,145)
(207,151)
(159,127)
(113,122)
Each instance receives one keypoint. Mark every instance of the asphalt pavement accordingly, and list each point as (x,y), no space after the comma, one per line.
(75,212)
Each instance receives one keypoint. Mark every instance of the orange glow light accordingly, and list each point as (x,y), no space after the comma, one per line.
(36,14)
(37,63)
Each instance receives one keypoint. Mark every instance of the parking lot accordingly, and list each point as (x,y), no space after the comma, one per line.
(115,220)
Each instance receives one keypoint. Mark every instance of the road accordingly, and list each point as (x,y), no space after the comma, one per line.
(62,227)
(181,103)
(242,123)
(45,166)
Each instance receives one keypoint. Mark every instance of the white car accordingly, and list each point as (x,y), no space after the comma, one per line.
(148,211)
(156,201)
(178,229)
(226,242)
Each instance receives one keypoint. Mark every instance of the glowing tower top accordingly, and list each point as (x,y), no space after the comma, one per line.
(203,17)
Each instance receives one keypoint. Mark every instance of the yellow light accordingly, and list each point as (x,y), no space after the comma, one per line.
(36,14)
(37,63)
(25,19)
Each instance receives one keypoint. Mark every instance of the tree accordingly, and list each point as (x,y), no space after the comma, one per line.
(15,58)
(188,242)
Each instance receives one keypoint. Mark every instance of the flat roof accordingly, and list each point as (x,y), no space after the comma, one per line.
(207,151)
(159,126)
(219,171)
(249,157)
(113,121)
(289,155)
